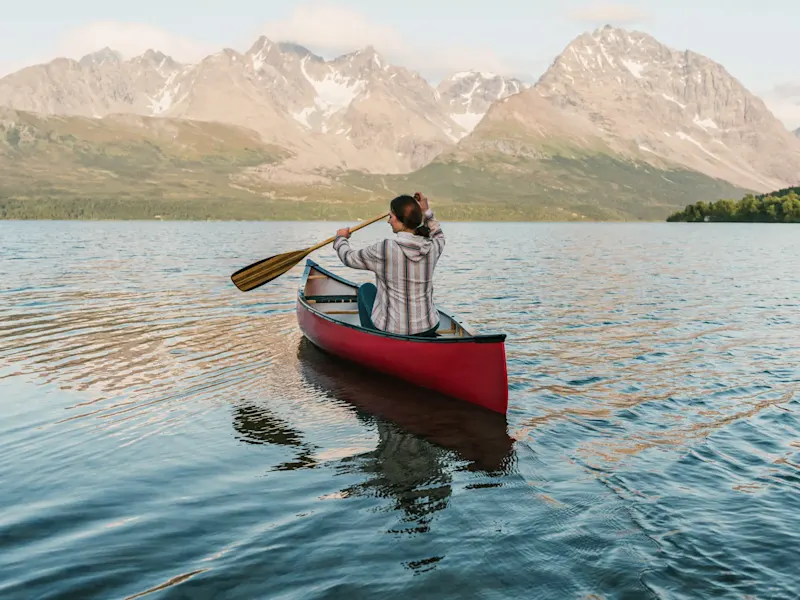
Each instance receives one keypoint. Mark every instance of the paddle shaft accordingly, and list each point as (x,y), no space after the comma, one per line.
(259,273)
(352,229)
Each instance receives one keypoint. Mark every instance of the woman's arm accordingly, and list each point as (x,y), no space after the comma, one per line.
(367,259)
(437,235)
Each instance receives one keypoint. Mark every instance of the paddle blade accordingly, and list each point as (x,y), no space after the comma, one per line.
(267,269)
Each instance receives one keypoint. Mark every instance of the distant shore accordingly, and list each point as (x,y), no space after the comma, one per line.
(781,206)
(77,209)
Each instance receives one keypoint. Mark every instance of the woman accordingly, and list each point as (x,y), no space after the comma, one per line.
(402,301)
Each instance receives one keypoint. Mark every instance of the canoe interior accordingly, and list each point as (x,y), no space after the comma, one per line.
(337,299)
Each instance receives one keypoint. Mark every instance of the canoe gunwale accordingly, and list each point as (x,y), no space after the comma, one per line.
(489,338)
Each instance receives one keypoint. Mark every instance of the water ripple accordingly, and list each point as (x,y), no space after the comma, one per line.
(165,434)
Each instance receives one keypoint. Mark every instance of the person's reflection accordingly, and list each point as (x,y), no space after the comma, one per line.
(405,468)
(257,425)
(423,436)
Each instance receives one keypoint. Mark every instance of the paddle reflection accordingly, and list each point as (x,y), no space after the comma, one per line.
(258,425)
(423,436)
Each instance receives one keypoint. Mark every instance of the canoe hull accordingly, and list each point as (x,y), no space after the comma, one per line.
(472,369)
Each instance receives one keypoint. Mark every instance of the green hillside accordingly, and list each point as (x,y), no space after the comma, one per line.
(130,167)
(593,187)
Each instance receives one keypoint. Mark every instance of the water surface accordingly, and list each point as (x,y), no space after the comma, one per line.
(165,435)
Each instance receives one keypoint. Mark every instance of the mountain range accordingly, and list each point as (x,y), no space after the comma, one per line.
(353,112)
(619,126)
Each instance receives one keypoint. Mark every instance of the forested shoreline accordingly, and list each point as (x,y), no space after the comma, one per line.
(782,206)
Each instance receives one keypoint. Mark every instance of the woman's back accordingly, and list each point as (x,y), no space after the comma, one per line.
(405,304)
(404,266)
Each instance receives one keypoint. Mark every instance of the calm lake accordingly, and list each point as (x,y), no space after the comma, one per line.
(165,435)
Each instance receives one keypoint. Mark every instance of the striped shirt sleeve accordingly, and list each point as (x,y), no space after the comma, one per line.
(437,235)
(367,259)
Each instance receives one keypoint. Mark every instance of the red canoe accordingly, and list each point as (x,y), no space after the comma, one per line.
(458,362)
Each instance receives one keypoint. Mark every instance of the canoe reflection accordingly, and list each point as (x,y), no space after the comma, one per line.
(473,434)
(422,436)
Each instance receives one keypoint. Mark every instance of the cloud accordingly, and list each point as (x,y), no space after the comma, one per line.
(784,102)
(130,39)
(608,13)
(331,30)
(326,29)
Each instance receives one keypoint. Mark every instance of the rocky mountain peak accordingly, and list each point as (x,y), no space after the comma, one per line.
(611,88)
(368,53)
(101,57)
(661,104)
(623,57)
(292,48)
(225,57)
(156,60)
(469,94)
(600,69)
(263,43)
(363,61)
(275,61)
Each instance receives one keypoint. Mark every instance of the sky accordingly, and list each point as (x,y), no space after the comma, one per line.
(754,41)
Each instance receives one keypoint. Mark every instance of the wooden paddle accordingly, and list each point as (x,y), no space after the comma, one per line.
(267,269)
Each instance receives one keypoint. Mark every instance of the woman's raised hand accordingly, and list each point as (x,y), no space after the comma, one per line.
(422,200)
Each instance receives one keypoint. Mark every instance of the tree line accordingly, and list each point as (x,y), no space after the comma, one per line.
(782,206)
